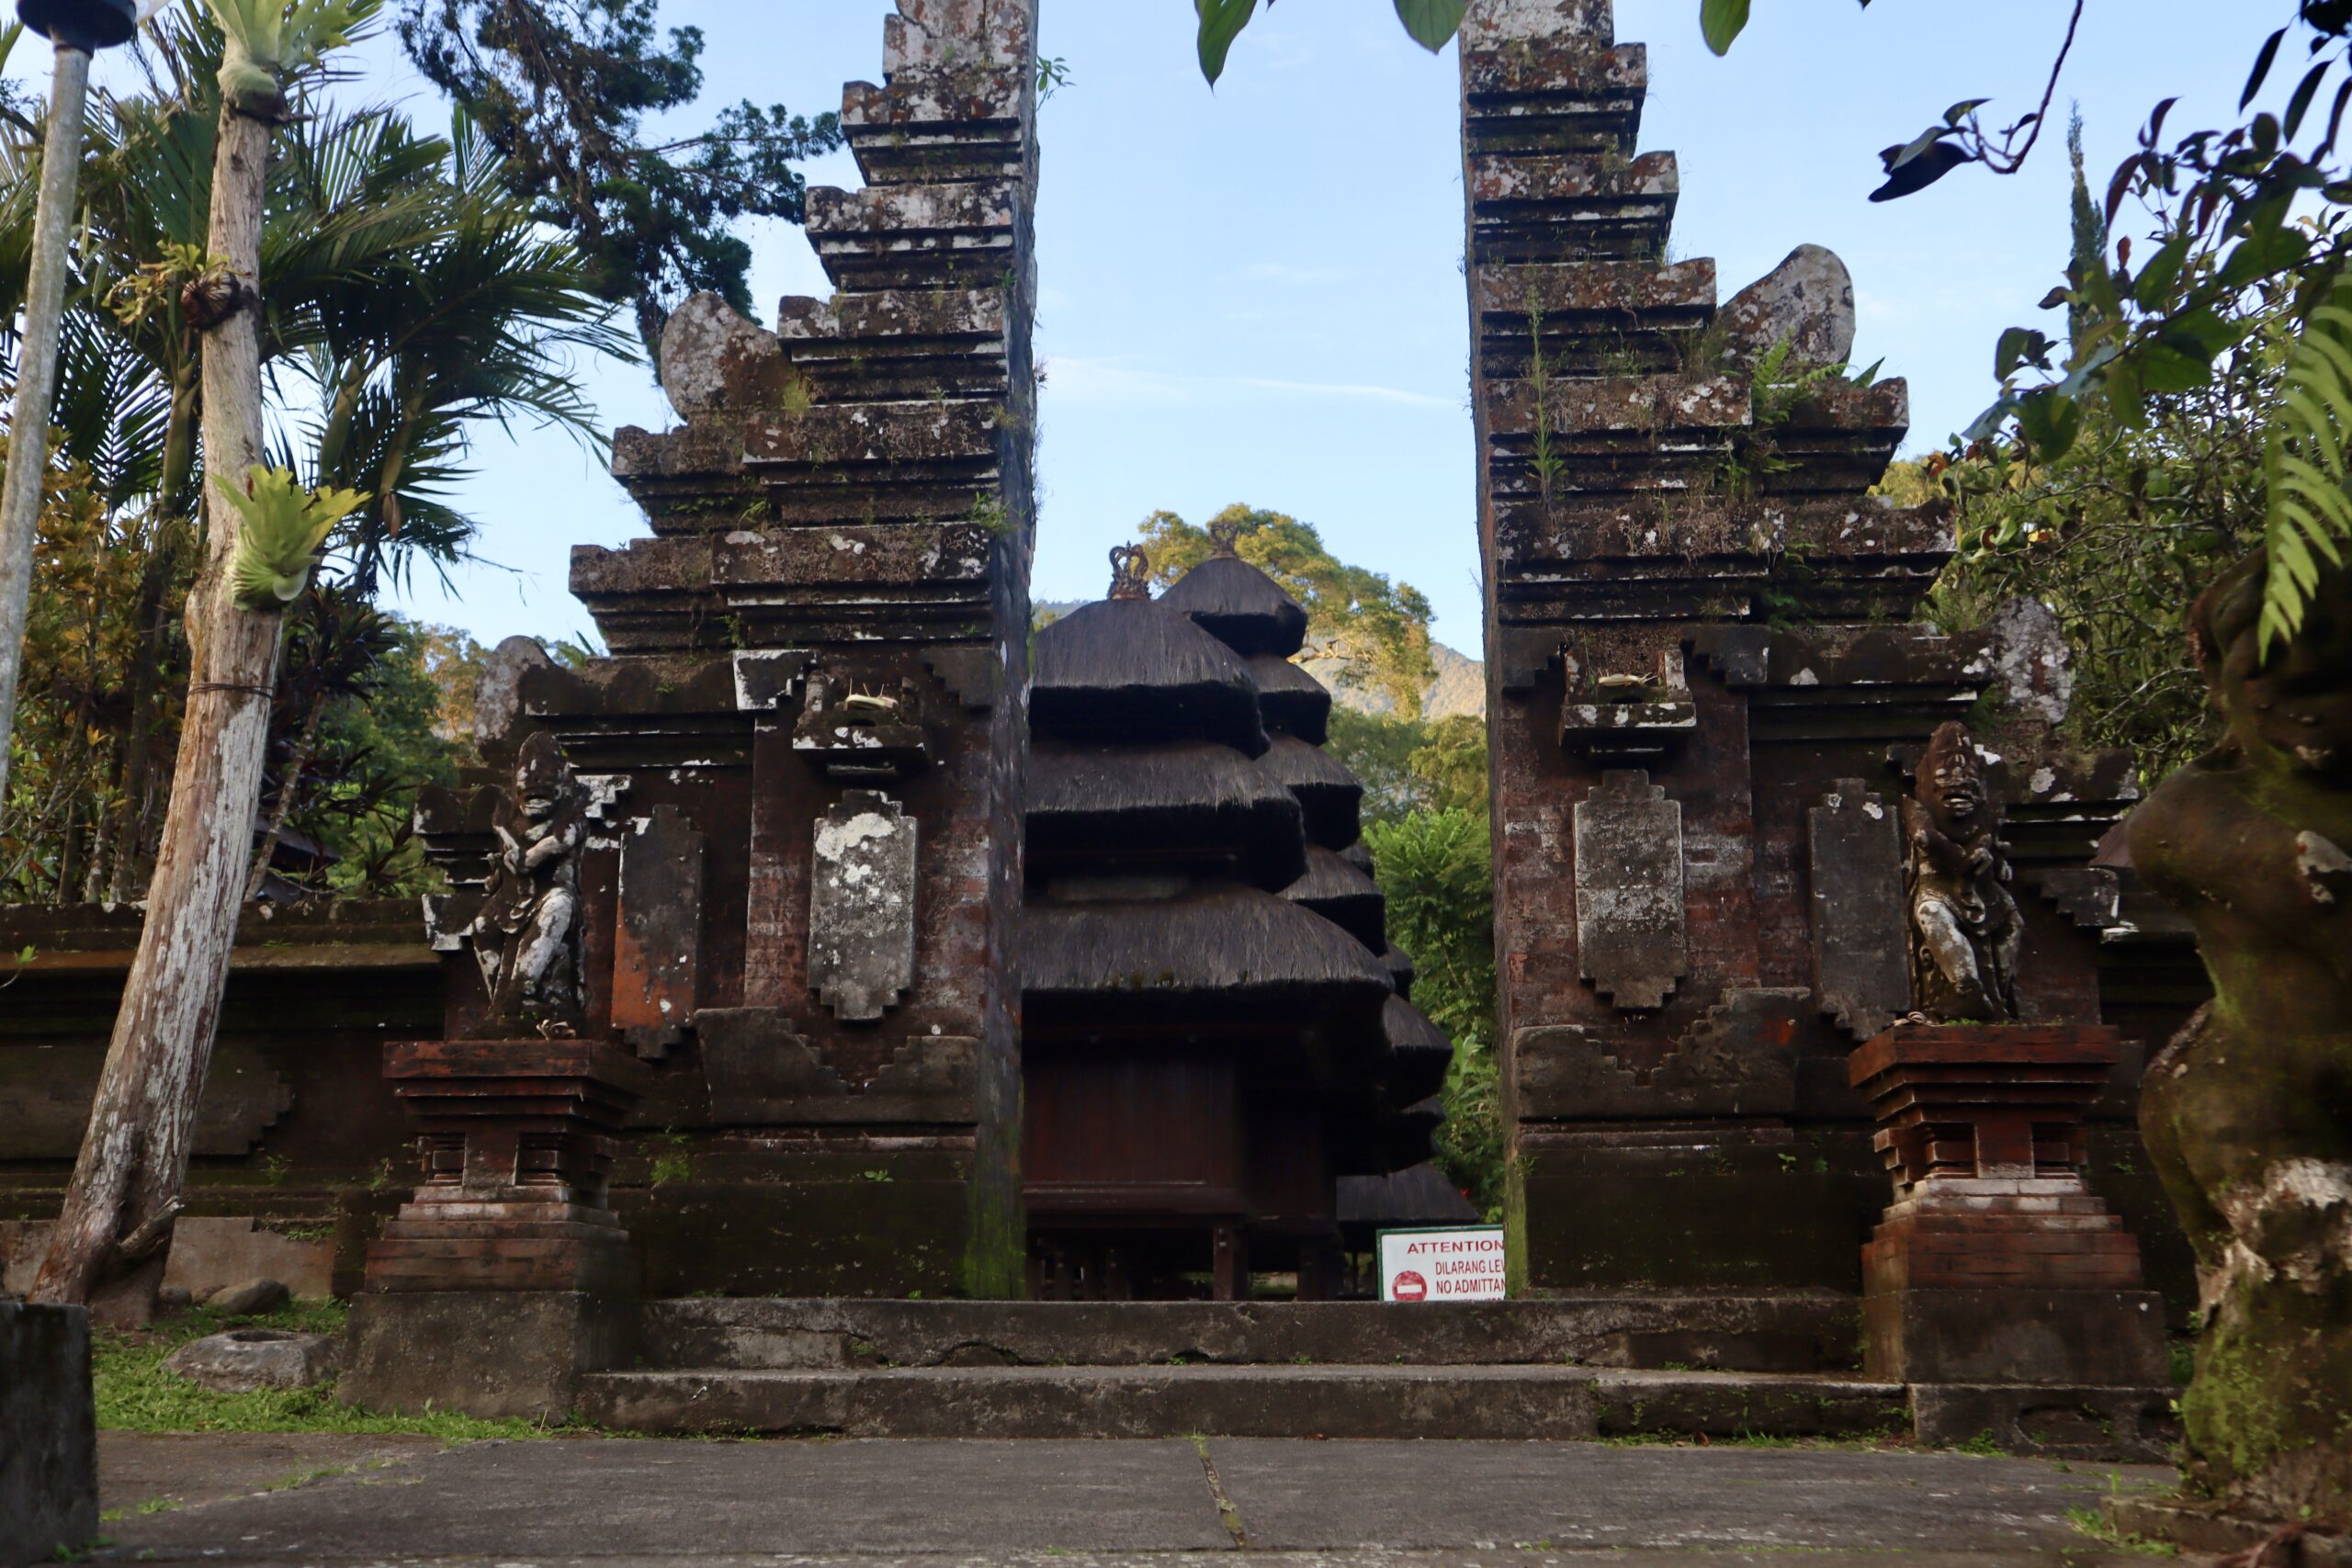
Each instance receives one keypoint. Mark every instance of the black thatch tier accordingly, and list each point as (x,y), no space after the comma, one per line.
(1356,855)
(1400,969)
(1343,896)
(1132,670)
(1414,1198)
(1244,607)
(1220,953)
(1411,1136)
(1419,1052)
(1291,699)
(1117,810)
(1333,799)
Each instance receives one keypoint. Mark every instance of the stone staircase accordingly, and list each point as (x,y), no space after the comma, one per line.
(1722,1367)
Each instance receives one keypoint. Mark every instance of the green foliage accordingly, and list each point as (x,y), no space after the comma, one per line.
(284,525)
(2310,509)
(1779,386)
(1721,22)
(380,740)
(136,1394)
(562,89)
(2147,504)
(1378,629)
(268,39)
(407,295)
(1437,870)
(1430,23)
(1408,765)
(2250,210)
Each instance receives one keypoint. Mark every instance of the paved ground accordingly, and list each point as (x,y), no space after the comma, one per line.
(607,1504)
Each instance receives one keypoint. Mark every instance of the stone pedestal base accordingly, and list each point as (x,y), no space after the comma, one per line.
(1997,1286)
(517,1147)
(507,1276)
(48,1438)
(2049,1337)
(491,1354)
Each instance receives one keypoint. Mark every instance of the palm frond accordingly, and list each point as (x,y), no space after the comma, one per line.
(2310,468)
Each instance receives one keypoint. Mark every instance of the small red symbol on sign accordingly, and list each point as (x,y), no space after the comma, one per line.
(1410,1287)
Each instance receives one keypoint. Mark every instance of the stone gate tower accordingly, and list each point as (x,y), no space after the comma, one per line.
(801,768)
(1706,688)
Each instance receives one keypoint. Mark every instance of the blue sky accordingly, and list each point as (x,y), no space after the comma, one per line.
(1256,294)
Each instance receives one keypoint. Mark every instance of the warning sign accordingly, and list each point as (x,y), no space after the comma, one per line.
(1442,1265)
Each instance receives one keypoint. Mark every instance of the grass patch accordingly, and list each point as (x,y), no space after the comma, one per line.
(136,1394)
(2092,1523)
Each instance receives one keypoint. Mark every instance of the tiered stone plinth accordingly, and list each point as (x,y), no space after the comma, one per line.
(1997,1268)
(507,1277)
(517,1145)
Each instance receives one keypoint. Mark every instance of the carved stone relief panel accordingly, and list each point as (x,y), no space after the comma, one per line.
(657,945)
(862,906)
(1861,971)
(1631,936)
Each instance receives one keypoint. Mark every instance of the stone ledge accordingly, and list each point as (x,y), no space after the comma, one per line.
(2086,1423)
(2204,1527)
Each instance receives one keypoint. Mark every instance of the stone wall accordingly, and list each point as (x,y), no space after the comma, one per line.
(299,1148)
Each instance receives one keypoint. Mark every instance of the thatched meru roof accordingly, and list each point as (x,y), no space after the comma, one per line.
(1120,809)
(1220,952)
(1331,796)
(1400,969)
(1420,1195)
(1244,607)
(1132,670)
(1412,1134)
(1343,896)
(1419,1052)
(1292,700)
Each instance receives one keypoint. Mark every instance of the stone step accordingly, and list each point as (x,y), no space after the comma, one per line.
(1496,1403)
(1793,1332)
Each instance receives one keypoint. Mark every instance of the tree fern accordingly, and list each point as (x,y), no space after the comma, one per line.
(2310,505)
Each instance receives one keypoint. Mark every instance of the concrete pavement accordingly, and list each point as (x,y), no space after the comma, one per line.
(617,1504)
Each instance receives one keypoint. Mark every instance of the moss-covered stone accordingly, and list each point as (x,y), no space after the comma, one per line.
(2247,1115)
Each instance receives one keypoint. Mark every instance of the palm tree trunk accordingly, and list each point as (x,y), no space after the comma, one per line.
(289,784)
(125,1190)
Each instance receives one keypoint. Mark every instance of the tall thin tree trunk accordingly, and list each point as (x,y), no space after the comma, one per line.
(125,1190)
(20,496)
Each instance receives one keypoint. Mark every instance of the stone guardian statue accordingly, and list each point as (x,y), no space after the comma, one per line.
(1965,929)
(526,936)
